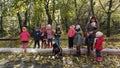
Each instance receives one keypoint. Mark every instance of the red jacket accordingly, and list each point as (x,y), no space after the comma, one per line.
(71,32)
(98,43)
(24,36)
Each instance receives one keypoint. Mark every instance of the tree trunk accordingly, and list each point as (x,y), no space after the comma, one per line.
(20,21)
(76,12)
(26,18)
(53,15)
(109,18)
(1,19)
(48,14)
(92,7)
(75,3)
(1,23)
(108,24)
(66,25)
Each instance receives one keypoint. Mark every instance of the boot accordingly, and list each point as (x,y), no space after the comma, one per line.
(50,46)
(99,59)
(78,54)
(95,58)
(44,46)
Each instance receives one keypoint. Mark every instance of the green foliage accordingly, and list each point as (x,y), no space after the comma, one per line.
(66,10)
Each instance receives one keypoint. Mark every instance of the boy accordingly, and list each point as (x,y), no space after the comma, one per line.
(37,36)
(57,35)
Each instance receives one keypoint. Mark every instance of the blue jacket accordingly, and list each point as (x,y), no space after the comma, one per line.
(37,35)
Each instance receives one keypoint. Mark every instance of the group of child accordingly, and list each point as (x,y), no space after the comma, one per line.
(93,39)
(45,34)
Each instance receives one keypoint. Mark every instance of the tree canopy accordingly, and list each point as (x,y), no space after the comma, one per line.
(17,13)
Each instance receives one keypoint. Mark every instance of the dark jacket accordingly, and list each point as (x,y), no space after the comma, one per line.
(90,39)
(90,28)
(37,35)
(44,35)
(58,32)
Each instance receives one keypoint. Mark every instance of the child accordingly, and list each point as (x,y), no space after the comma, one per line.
(50,35)
(57,35)
(43,37)
(98,45)
(24,38)
(37,36)
(71,34)
(78,39)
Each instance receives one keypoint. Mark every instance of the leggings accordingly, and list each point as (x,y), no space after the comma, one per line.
(24,44)
(70,42)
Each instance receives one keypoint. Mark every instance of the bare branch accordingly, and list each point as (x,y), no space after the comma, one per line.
(102,6)
(115,8)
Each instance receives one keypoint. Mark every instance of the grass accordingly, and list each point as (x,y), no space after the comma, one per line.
(43,60)
(113,43)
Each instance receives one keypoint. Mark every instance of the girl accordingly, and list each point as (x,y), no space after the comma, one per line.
(37,36)
(44,37)
(71,34)
(98,45)
(24,35)
(78,39)
(50,35)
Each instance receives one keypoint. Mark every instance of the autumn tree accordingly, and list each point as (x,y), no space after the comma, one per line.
(109,12)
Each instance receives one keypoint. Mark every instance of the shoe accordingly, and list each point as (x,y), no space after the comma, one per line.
(50,46)
(41,46)
(78,54)
(99,59)
(44,46)
(95,58)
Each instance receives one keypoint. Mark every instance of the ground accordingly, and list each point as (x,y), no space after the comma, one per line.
(17,60)
(66,61)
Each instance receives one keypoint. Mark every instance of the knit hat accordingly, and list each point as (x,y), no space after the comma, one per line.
(73,26)
(99,34)
(48,26)
(77,26)
(24,29)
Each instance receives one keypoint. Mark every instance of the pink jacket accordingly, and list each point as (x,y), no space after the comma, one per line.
(24,36)
(71,32)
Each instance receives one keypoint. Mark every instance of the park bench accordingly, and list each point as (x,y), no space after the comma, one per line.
(10,41)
